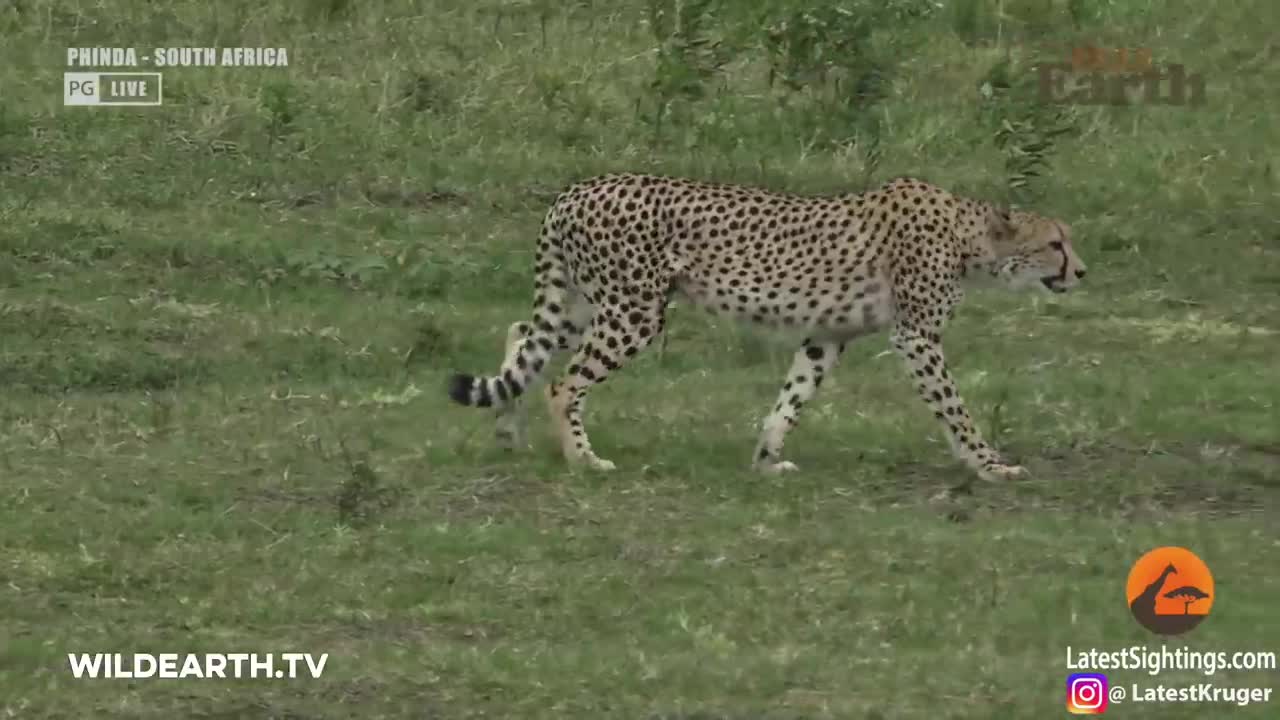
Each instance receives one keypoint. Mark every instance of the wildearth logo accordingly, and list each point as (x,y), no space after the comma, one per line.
(1118,76)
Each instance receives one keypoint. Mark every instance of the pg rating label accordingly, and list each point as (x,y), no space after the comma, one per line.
(104,88)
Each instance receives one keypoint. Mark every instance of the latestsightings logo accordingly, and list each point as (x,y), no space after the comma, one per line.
(1170,590)
(1087,694)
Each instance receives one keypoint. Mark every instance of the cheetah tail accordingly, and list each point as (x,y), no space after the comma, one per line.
(532,353)
(525,365)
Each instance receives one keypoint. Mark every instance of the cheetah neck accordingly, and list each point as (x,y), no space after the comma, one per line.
(978,255)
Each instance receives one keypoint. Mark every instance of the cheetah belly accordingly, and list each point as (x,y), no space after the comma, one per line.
(794,306)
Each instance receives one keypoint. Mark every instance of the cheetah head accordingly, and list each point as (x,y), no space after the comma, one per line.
(1035,252)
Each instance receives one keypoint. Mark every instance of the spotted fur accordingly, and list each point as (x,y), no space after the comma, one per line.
(614,249)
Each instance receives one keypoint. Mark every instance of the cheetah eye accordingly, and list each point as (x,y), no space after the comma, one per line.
(1055,244)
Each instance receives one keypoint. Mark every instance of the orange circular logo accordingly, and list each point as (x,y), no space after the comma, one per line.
(1170,590)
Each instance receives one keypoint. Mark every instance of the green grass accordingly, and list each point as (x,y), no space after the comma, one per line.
(226,324)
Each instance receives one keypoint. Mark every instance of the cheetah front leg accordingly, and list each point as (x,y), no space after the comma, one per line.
(809,366)
(923,356)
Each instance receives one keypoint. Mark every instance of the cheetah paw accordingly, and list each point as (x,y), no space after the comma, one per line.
(1000,471)
(509,438)
(589,460)
(777,468)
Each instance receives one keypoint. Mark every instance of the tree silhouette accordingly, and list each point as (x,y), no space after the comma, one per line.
(1187,594)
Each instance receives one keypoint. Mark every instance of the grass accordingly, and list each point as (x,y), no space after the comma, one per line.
(226,323)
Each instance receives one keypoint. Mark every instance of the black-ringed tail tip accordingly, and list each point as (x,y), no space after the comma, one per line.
(460,386)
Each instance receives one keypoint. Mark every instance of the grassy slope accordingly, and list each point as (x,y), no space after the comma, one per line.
(207,444)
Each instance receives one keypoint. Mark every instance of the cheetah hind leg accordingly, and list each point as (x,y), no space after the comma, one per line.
(603,351)
(511,429)
(811,363)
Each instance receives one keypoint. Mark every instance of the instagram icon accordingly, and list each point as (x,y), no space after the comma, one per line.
(1086,694)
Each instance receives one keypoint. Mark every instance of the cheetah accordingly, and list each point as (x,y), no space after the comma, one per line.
(615,249)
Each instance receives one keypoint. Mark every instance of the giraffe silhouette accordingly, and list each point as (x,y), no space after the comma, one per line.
(1143,608)
(1144,605)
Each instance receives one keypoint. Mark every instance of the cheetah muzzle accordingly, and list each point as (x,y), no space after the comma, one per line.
(1052,282)
(613,250)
